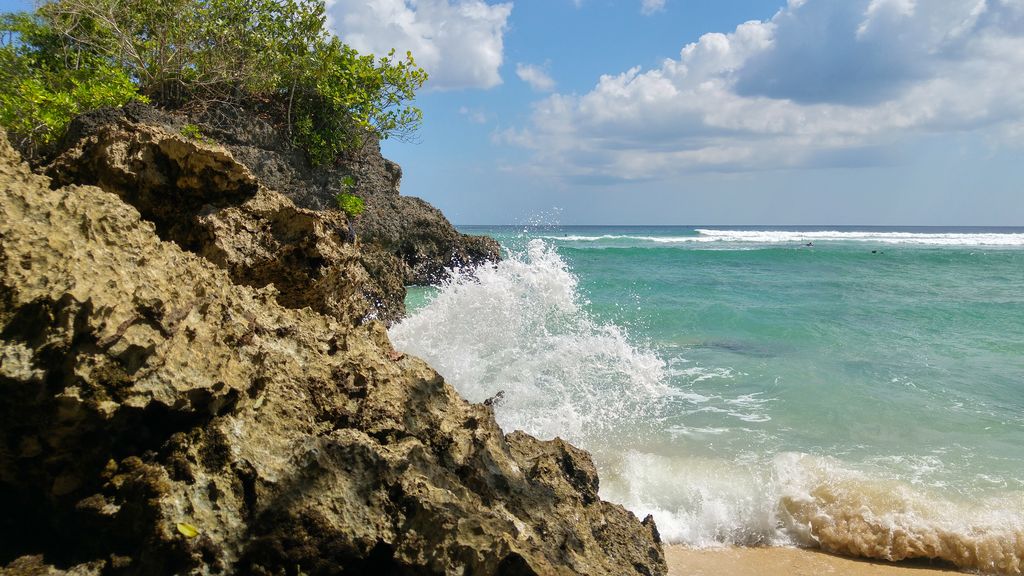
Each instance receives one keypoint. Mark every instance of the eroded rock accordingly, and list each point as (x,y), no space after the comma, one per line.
(421,237)
(411,230)
(407,227)
(160,415)
(201,198)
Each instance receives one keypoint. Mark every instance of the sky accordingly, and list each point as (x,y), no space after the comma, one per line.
(884,112)
(873,112)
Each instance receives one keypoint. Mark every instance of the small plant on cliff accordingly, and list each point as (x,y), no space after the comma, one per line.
(277,55)
(351,204)
(348,202)
(192,132)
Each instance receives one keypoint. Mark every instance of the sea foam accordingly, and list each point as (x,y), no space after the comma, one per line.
(820,502)
(921,238)
(824,503)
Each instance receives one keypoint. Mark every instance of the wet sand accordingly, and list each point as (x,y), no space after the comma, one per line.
(684,561)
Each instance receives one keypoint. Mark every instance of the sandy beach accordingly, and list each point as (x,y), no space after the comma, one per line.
(684,561)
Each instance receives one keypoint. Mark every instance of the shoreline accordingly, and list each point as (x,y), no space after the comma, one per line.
(684,561)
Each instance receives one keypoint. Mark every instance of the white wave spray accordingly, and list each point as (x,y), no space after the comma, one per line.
(520,328)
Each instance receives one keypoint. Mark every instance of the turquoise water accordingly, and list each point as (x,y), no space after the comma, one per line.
(864,393)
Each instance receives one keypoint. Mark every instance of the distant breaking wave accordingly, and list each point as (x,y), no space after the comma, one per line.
(705,236)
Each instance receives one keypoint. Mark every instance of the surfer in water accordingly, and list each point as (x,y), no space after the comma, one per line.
(809,244)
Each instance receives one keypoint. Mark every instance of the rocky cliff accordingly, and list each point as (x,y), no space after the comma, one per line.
(199,197)
(424,243)
(192,381)
(419,235)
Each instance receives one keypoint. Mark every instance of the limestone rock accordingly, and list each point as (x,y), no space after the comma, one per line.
(407,227)
(420,236)
(159,415)
(201,198)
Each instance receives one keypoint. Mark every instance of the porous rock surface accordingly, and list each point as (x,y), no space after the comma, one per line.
(419,235)
(201,198)
(158,415)
(425,244)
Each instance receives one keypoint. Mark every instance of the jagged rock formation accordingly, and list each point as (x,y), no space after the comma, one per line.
(409,228)
(201,198)
(418,235)
(159,414)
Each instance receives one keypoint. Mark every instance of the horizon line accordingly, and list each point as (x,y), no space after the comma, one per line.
(979,226)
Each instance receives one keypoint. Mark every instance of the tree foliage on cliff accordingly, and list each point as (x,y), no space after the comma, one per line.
(275,54)
(44,82)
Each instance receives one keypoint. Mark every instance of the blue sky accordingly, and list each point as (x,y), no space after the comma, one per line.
(884,112)
(887,112)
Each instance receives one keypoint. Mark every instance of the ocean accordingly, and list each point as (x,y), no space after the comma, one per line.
(859,389)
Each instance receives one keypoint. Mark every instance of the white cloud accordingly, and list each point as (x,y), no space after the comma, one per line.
(460,43)
(474,115)
(648,7)
(889,8)
(535,76)
(820,84)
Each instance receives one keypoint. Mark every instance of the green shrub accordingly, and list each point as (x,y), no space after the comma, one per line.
(74,55)
(42,88)
(192,132)
(350,204)
(341,96)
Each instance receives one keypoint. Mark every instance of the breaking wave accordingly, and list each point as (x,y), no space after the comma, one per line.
(709,236)
(803,500)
